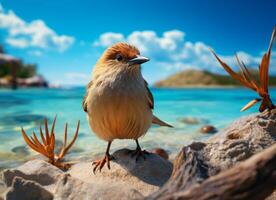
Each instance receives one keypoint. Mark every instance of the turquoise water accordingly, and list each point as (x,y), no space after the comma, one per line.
(28,108)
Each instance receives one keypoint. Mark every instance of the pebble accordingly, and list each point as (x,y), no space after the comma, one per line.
(208,129)
(21,150)
(161,152)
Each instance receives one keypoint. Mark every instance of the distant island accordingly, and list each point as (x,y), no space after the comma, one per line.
(197,78)
(15,73)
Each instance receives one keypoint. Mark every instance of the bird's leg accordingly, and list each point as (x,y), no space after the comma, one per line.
(99,164)
(138,152)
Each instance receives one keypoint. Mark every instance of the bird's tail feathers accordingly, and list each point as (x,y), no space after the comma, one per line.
(156,120)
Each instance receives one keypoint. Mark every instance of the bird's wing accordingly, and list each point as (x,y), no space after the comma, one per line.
(155,120)
(84,102)
(149,95)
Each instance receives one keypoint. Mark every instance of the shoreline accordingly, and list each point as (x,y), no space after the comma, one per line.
(204,87)
(151,87)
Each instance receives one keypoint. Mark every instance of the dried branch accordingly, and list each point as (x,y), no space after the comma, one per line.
(250,104)
(47,146)
(246,79)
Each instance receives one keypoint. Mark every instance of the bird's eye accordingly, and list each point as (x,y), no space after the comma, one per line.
(119,57)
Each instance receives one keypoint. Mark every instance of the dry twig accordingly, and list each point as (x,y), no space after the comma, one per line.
(47,146)
(246,79)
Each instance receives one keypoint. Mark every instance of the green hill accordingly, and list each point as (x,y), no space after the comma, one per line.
(197,78)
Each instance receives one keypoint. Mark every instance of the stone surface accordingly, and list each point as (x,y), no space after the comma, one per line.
(272,196)
(237,142)
(129,179)
(145,176)
(2,188)
(38,171)
(21,151)
(201,161)
(70,188)
(252,179)
(190,120)
(22,189)
(161,152)
(242,139)
(136,178)
(208,129)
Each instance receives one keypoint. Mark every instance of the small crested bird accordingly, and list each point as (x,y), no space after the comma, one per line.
(118,101)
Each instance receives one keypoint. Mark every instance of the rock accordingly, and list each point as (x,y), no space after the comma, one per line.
(38,171)
(70,188)
(242,139)
(237,142)
(2,187)
(22,189)
(21,151)
(253,178)
(272,196)
(136,178)
(129,179)
(161,152)
(145,176)
(208,129)
(202,161)
(34,81)
(192,120)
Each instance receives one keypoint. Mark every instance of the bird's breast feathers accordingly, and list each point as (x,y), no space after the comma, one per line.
(118,107)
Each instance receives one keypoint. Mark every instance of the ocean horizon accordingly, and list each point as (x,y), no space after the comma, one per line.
(28,108)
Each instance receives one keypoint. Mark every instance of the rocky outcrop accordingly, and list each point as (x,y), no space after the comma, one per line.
(223,167)
(2,188)
(127,179)
(199,161)
(35,81)
(29,190)
(145,176)
(239,141)
(73,188)
(254,179)
(35,170)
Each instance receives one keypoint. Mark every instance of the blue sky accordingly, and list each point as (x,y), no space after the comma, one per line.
(66,37)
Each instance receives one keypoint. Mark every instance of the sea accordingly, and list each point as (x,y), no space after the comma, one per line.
(186,109)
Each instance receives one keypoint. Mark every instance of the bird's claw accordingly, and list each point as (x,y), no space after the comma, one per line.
(99,164)
(139,153)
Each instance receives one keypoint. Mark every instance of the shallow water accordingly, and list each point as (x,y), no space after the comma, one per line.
(28,107)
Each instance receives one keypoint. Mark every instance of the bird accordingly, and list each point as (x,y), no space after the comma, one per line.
(118,102)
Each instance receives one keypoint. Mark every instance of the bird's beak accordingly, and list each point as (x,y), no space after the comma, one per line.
(138,60)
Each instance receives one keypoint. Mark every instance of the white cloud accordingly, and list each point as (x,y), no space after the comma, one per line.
(36,34)
(108,39)
(172,52)
(18,42)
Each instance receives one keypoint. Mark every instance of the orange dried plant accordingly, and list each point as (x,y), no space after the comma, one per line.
(246,78)
(47,146)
